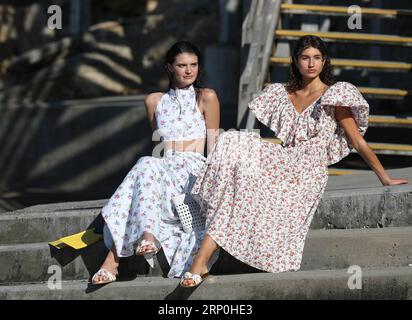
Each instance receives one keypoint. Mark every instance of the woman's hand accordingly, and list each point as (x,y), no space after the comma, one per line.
(393,182)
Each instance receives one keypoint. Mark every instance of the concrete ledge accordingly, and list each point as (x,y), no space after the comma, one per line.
(367,207)
(388,283)
(384,247)
(375,207)
(324,249)
(338,249)
(28,227)
(31,263)
(360,201)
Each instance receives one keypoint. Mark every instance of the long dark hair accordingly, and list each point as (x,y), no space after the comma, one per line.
(184,47)
(295,78)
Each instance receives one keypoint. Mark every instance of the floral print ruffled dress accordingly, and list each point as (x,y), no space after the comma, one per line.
(142,202)
(259,197)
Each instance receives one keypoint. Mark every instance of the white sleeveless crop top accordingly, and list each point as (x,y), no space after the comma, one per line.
(178,117)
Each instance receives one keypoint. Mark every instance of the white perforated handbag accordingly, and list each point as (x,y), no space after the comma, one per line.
(189,212)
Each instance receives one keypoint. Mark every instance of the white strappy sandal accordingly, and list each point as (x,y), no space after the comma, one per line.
(152,249)
(196,278)
(110,277)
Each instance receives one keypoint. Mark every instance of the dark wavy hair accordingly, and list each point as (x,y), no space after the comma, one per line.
(295,78)
(184,47)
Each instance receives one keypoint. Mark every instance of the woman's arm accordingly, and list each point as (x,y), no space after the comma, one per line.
(150,102)
(347,122)
(210,107)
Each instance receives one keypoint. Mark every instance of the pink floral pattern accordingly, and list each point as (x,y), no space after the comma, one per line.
(258,197)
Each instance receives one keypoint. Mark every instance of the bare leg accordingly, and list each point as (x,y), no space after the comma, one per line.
(110,264)
(206,250)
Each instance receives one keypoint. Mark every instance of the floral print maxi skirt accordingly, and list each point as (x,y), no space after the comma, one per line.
(142,203)
(259,198)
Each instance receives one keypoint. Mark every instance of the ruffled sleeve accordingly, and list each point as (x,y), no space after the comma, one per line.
(269,107)
(345,94)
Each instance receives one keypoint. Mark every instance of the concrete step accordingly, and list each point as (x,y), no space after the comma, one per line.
(27,226)
(376,283)
(349,202)
(48,222)
(35,262)
(363,207)
(324,249)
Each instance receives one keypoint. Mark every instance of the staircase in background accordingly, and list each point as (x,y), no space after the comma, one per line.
(265,36)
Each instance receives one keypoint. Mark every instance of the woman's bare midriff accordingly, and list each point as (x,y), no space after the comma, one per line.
(196,145)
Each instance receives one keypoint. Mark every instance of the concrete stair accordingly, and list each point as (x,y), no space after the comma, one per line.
(370,227)
(355,201)
(324,249)
(379,283)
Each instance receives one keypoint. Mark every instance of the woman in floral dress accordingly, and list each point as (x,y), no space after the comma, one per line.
(139,218)
(260,197)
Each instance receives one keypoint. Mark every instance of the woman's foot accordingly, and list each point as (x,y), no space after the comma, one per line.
(197,273)
(147,245)
(108,271)
(199,270)
(103,276)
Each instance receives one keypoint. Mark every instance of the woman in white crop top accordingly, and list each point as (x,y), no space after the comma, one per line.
(139,218)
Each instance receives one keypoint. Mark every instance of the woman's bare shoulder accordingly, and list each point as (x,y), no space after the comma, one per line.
(208,95)
(152,99)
